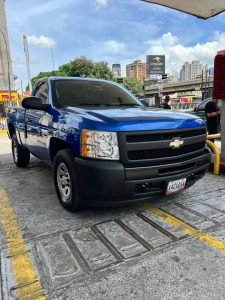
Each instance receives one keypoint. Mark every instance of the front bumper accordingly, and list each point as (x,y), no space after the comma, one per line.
(106,183)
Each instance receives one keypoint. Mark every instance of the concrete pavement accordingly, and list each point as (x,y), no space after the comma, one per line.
(166,248)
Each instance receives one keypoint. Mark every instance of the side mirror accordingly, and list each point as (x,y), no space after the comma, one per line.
(195,109)
(34,103)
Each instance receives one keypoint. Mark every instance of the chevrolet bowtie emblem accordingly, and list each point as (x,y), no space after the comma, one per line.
(176,144)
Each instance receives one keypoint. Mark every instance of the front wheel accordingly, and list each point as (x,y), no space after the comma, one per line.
(66,181)
(21,155)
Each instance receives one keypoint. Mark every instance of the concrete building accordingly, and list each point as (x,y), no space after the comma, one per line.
(6,75)
(116,69)
(192,70)
(136,70)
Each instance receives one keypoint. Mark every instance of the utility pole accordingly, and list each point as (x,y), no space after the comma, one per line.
(202,87)
(27,62)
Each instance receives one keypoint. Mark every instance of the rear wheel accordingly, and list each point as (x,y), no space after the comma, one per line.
(65,180)
(21,155)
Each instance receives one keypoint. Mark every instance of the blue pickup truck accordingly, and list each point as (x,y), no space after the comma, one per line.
(105,147)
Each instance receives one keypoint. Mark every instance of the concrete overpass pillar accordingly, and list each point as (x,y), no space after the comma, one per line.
(157,100)
(6,74)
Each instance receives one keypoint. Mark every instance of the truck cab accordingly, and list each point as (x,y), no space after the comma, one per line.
(105,147)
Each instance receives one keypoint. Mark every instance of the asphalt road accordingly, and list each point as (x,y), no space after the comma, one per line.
(166,248)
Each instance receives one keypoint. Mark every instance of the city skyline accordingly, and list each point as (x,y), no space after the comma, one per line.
(190,70)
(107,34)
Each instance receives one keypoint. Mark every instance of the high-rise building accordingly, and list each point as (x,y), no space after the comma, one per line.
(136,70)
(116,69)
(6,75)
(192,70)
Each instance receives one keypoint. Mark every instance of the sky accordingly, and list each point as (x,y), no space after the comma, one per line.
(115,31)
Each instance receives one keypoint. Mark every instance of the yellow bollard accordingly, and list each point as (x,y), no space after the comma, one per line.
(217,155)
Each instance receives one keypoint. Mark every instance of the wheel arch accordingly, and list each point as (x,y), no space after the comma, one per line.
(57,144)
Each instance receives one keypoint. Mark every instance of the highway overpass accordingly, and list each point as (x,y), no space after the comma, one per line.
(176,87)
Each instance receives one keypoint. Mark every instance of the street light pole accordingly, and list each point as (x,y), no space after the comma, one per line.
(27,62)
(53,62)
(8,63)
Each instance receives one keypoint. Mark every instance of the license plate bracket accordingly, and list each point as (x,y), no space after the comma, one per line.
(175,186)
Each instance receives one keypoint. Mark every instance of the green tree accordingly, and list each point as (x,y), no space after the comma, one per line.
(133,85)
(83,67)
(43,75)
(102,71)
(79,67)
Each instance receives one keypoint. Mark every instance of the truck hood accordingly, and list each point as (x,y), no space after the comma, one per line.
(129,119)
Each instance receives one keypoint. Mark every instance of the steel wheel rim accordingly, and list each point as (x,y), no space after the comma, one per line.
(15,151)
(64,182)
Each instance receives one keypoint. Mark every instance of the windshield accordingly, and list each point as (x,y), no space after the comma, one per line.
(90,92)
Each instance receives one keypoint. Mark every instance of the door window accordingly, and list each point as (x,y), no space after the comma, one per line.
(42,92)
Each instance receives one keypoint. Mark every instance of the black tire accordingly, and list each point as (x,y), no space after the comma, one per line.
(66,180)
(21,155)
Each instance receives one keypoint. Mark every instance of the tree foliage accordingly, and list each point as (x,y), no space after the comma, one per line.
(83,67)
(79,67)
(133,85)
(43,75)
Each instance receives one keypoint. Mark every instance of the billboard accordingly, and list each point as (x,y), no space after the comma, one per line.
(155,64)
(116,69)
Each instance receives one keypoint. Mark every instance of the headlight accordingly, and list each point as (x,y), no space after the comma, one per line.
(99,144)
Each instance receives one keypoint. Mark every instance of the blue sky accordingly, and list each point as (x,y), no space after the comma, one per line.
(110,30)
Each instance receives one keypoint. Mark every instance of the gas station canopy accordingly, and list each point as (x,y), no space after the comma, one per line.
(203,9)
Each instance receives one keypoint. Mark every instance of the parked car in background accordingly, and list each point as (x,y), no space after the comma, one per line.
(146,102)
(199,110)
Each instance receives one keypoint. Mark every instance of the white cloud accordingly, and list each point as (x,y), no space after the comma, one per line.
(113,47)
(41,41)
(101,2)
(176,53)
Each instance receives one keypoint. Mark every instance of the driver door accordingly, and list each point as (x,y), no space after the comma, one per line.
(37,122)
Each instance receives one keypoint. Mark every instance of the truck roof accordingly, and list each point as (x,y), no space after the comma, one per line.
(73,78)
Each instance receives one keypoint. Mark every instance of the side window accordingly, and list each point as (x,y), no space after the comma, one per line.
(202,105)
(42,92)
